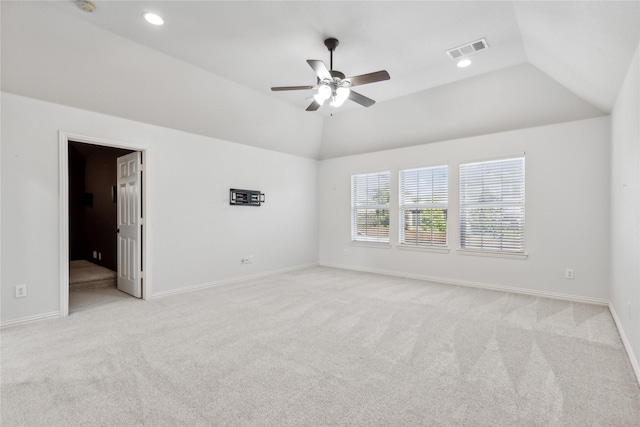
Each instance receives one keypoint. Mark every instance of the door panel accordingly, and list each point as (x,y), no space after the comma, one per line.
(129,224)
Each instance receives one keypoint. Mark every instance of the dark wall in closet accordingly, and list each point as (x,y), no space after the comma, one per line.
(97,228)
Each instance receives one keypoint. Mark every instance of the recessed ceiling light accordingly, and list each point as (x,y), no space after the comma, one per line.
(154,19)
(464,63)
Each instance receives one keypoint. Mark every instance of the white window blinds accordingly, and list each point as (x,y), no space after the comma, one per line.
(492,205)
(370,207)
(423,206)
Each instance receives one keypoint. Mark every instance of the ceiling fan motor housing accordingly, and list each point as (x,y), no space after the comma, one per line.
(331,43)
(337,82)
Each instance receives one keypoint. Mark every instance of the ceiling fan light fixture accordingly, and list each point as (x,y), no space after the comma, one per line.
(342,94)
(333,83)
(319,99)
(336,102)
(324,93)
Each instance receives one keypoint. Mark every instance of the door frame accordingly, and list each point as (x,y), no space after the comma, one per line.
(64,138)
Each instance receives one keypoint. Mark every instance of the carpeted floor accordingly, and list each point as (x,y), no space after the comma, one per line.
(87,275)
(320,347)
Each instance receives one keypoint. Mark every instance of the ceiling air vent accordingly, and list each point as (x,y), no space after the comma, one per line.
(467,49)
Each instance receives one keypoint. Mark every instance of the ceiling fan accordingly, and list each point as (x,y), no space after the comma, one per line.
(333,85)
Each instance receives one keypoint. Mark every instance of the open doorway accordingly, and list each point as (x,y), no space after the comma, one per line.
(93,219)
(103,243)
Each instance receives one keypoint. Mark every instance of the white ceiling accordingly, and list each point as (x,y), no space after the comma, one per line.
(585,47)
(265,44)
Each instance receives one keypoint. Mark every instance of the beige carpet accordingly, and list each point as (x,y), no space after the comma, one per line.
(87,275)
(320,347)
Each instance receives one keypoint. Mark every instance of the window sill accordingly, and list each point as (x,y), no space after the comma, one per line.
(377,245)
(492,254)
(423,249)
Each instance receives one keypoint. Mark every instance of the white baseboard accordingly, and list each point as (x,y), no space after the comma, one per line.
(30,319)
(625,342)
(490,286)
(229,281)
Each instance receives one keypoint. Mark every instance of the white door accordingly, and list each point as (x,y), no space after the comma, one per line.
(129,224)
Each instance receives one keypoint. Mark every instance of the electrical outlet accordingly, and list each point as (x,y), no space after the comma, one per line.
(99,255)
(95,254)
(21,291)
(568,273)
(250,259)
(244,260)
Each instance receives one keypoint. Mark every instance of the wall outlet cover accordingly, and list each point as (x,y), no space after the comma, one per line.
(21,291)
(568,273)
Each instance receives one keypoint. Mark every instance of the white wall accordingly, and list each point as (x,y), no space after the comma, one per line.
(567,184)
(196,236)
(625,208)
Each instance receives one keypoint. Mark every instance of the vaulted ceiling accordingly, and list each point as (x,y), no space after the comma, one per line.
(209,69)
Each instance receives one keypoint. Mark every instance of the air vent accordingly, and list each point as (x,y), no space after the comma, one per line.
(467,49)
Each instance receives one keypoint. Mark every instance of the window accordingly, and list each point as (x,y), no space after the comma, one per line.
(492,205)
(423,206)
(370,207)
